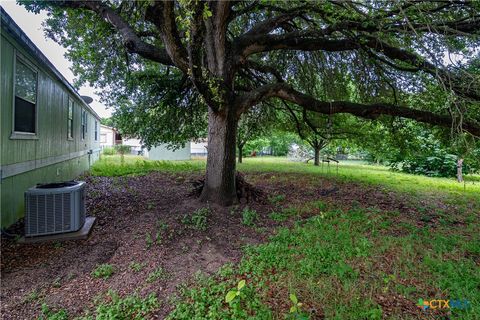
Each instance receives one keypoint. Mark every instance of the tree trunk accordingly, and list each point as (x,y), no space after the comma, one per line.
(317,157)
(219,184)
(240,153)
(459,170)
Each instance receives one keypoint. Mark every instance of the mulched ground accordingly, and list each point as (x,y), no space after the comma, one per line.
(127,208)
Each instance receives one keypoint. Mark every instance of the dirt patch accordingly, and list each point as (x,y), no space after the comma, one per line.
(139,220)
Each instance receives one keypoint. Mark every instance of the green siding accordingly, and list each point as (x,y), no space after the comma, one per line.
(52,99)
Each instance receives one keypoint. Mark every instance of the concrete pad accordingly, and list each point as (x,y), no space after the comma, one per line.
(81,234)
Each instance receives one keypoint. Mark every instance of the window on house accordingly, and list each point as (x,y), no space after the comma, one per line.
(103,138)
(70,119)
(96,130)
(25,98)
(84,124)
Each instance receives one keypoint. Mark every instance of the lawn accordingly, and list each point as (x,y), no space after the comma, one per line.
(355,171)
(366,243)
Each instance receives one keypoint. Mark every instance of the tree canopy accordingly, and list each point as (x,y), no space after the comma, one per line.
(173,66)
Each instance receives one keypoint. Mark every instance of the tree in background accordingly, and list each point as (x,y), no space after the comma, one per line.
(252,125)
(109,122)
(170,65)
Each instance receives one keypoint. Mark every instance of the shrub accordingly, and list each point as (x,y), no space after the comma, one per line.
(439,164)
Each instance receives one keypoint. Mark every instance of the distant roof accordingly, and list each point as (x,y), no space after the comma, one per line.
(17,33)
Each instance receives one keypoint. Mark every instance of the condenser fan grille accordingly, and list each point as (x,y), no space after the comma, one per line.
(50,211)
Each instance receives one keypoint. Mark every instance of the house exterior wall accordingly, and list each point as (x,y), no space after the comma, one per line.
(199,148)
(50,156)
(161,152)
(107,136)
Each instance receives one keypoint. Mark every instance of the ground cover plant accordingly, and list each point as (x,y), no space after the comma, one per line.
(354,245)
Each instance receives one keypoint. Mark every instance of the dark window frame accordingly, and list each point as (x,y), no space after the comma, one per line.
(17,134)
(83,124)
(70,117)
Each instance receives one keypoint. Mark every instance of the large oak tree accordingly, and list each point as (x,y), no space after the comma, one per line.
(223,58)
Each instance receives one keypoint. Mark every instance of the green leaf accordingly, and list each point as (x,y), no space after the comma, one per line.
(293,309)
(230,296)
(293,298)
(241,284)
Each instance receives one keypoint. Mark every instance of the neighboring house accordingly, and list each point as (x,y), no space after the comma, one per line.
(199,148)
(136,146)
(109,137)
(48,132)
(161,152)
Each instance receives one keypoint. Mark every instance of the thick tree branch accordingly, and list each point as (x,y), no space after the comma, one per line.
(162,15)
(131,40)
(369,111)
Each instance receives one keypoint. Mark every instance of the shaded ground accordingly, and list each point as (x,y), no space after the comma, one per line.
(140,220)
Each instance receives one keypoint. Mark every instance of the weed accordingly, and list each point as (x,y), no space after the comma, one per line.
(198,220)
(136,266)
(277,199)
(295,309)
(34,295)
(235,293)
(103,271)
(148,240)
(157,274)
(48,314)
(249,217)
(130,307)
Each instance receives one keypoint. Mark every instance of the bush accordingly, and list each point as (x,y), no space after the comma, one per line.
(109,151)
(438,164)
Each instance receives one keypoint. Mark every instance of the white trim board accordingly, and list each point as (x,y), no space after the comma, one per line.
(14,169)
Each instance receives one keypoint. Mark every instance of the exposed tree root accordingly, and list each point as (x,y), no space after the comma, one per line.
(244,189)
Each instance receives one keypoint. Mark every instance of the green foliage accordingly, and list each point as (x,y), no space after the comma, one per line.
(129,307)
(198,220)
(122,149)
(277,198)
(112,167)
(136,266)
(148,240)
(249,217)
(109,151)
(158,274)
(103,271)
(235,293)
(439,164)
(48,314)
(277,144)
(295,309)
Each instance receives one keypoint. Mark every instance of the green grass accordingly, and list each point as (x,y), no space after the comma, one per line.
(111,166)
(347,171)
(341,263)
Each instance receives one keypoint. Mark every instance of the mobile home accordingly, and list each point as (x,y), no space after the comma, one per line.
(48,132)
